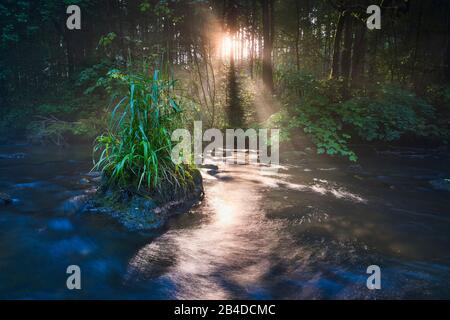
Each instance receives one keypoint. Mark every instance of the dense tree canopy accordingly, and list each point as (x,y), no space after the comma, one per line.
(264,41)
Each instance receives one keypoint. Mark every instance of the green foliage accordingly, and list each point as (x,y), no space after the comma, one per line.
(136,150)
(100,79)
(56,109)
(439,95)
(310,106)
(390,114)
(144,6)
(12,121)
(50,129)
(55,131)
(106,40)
(316,108)
(56,120)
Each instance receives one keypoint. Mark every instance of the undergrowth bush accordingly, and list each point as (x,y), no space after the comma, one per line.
(13,121)
(389,114)
(135,152)
(318,109)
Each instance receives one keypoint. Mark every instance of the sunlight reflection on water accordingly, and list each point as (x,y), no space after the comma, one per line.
(235,249)
(257,235)
(235,241)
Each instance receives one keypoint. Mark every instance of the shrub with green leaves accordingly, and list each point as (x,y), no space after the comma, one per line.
(135,153)
(318,109)
(389,114)
(310,107)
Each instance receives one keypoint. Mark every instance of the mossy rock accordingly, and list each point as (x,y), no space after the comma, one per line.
(145,210)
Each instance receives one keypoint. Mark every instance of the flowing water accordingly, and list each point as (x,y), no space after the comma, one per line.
(308,231)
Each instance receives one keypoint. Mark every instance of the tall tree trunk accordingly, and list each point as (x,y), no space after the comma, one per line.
(267,71)
(335,65)
(373,51)
(328,52)
(253,38)
(297,35)
(70,53)
(242,42)
(416,45)
(346,58)
(359,53)
(447,57)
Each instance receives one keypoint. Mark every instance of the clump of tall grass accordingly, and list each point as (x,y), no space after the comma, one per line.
(135,152)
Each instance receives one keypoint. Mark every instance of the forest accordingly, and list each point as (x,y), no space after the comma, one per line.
(309,66)
(92,93)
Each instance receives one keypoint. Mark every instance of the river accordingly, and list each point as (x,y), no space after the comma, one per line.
(308,231)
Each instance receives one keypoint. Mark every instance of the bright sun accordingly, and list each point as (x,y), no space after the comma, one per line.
(228,46)
(238,47)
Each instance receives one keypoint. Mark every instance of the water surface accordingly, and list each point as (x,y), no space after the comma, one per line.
(308,231)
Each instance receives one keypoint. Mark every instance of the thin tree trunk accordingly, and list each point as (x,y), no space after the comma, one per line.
(359,53)
(346,58)
(335,65)
(447,58)
(297,35)
(416,45)
(267,71)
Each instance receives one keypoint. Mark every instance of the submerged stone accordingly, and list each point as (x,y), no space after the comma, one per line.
(84,181)
(5,199)
(29,185)
(70,246)
(441,184)
(75,204)
(18,155)
(60,224)
(93,174)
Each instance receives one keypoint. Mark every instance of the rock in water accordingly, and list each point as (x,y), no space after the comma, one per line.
(84,181)
(441,184)
(5,199)
(75,204)
(13,156)
(137,212)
